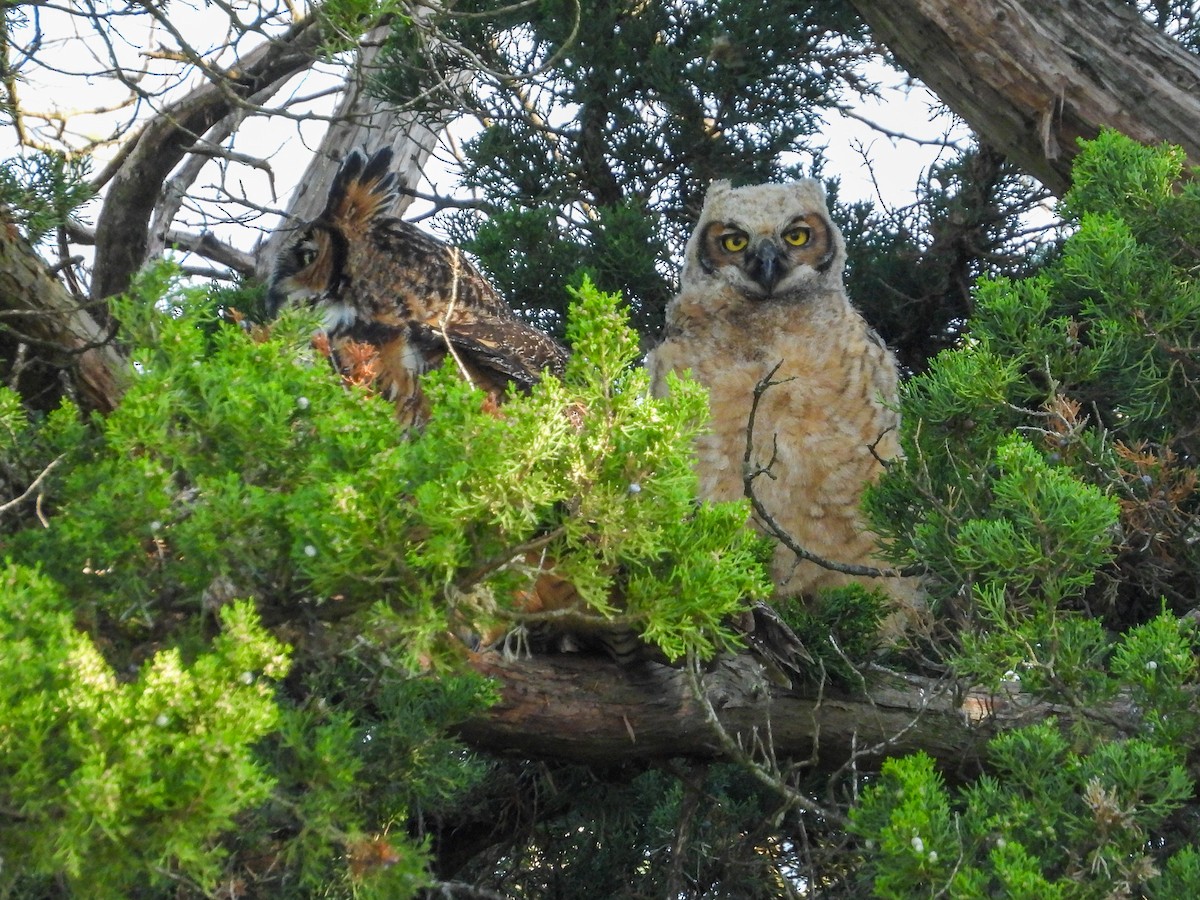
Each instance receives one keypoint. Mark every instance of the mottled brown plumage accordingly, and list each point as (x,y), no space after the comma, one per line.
(761,287)
(397,301)
(385,283)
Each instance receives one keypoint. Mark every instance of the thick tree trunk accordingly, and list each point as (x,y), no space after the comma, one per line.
(585,709)
(1034,76)
(36,310)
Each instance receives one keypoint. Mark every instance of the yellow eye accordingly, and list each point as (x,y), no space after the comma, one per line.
(306,251)
(797,237)
(734,242)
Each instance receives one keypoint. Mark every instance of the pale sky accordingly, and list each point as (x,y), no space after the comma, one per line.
(898,164)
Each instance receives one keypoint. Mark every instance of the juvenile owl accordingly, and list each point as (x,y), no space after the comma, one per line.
(761,287)
(396,301)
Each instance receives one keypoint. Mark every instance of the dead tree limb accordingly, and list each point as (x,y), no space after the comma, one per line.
(1031,76)
(36,309)
(586,709)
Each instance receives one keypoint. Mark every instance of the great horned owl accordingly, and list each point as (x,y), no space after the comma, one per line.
(404,296)
(397,301)
(761,287)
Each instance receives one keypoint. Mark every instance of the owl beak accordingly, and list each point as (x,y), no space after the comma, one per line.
(765,265)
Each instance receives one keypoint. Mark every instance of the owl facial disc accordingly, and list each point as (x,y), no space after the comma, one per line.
(769,242)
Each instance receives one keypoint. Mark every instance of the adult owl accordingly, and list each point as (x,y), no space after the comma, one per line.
(397,301)
(762,288)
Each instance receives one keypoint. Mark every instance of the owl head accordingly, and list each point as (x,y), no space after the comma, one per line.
(313,265)
(766,241)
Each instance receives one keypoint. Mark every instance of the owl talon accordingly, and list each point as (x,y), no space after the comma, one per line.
(515,645)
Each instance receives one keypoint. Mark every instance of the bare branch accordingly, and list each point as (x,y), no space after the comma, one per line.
(1031,78)
(769,777)
(34,486)
(122,228)
(588,709)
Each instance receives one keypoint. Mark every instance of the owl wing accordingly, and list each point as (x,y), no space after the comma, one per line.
(507,349)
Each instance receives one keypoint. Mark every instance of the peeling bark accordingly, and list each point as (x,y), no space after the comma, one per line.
(1032,77)
(36,309)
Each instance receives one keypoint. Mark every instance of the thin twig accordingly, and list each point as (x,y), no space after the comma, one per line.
(750,472)
(504,560)
(455,269)
(35,485)
(693,790)
(734,750)
(876,750)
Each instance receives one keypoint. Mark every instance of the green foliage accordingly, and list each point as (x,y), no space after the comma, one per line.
(532,254)
(1054,815)
(1025,539)
(107,781)
(31,447)
(1112,324)
(417,765)
(1035,549)
(606,122)
(1043,534)
(907,822)
(840,628)
(1048,821)
(1181,878)
(1090,361)
(616,835)
(178,504)
(42,190)
(911,270)
(1156,663)
(590,472)
(238,466)
(160,516)
(344,21)
(365,753)
(1049,484)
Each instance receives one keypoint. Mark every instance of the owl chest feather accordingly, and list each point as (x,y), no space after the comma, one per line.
(817,428)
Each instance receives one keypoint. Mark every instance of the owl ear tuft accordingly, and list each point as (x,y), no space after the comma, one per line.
(363,190)
(718,187)
(813,187)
